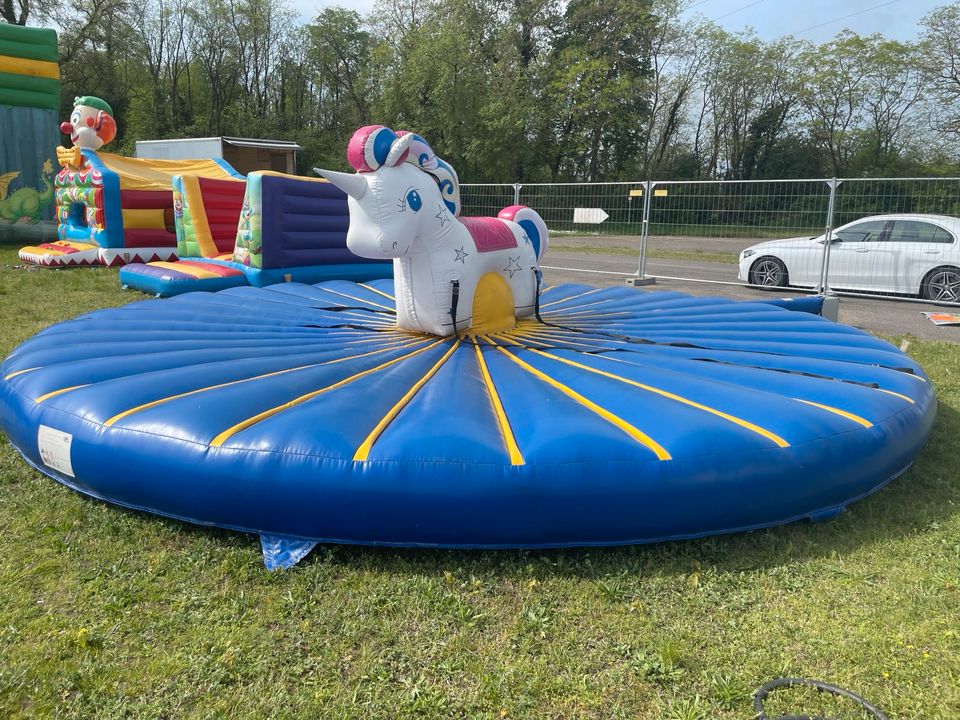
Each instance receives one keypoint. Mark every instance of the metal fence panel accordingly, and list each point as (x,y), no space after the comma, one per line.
(485,199)
(897,236)
(716,222)
(767,233)
(587,209)
(567,208)
(756,210)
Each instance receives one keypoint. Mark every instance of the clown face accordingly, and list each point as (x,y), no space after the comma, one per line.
(89,127)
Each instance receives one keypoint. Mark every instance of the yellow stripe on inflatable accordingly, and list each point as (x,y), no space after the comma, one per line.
(502,336)
(351,297)
(146,406)
(363,452)
(899,395)
(530,338)
(378,292)
(21,372)
(584,305)
(191,270)
(747,425)
(838,411)
(193,199)
(143,218)
(33,68)
(506,432)
(571,297)
(220,439)
(61,391)
(549,340)
(634,432)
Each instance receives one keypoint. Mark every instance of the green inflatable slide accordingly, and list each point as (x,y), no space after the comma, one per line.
(29,103)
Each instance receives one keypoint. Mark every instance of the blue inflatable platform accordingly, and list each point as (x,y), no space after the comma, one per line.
(300,412)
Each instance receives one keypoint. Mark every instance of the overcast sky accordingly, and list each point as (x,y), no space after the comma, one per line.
(898,19)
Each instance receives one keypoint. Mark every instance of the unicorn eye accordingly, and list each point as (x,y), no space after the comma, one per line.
(414,200)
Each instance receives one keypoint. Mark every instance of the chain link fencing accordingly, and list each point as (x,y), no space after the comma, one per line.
(896,237)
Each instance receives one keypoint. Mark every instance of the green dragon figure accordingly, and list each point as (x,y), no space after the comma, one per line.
(25,204)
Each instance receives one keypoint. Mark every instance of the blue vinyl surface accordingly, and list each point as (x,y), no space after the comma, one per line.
(635,416)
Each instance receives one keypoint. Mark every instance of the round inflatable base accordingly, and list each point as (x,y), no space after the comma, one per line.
(301,412)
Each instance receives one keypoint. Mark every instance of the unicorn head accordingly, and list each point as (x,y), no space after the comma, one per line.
(402,191)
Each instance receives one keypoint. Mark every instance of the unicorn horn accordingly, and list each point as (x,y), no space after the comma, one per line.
(352,184)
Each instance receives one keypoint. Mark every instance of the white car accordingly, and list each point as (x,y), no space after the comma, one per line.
(901,254)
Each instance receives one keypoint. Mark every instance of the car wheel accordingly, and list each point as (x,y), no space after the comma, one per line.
(941,284)
(769,271)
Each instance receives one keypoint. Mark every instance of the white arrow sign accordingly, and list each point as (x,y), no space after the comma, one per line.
(589,216)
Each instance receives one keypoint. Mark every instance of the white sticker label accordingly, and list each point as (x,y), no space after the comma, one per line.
(55,449)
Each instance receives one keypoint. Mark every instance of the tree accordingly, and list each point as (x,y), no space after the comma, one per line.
(15,13)
(895,86)
(19,12)
(835,88)
(677,56)
(520,90)
(163,28)
(940,50)
(601,65)
(215,47)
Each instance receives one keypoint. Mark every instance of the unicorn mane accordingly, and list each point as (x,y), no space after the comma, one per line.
(370,147)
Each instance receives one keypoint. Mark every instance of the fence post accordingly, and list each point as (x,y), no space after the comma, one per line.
(824,287)
(641,277)
(516,193)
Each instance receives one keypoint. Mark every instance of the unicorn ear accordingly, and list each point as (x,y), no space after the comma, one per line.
(369,147)
(398,151)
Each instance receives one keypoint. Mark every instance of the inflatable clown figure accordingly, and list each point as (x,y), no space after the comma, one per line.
(452,274)
(91,126)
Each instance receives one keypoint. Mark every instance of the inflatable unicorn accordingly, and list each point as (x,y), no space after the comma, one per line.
(452,274)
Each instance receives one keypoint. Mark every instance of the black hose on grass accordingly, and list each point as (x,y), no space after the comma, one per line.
(779,683)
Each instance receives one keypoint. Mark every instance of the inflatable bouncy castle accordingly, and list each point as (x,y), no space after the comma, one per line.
(206,213)
(110,209)
(29,98)
(274,228)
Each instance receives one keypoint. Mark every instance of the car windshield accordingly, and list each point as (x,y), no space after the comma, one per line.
(868,231)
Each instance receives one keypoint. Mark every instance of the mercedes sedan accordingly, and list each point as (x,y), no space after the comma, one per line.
(897,254)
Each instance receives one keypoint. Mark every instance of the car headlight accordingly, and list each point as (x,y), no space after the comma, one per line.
(747,253)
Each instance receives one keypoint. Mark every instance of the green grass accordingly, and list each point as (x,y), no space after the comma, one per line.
(107,613)
(701,255)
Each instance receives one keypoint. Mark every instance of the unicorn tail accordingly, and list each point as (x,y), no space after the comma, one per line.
(532,224)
